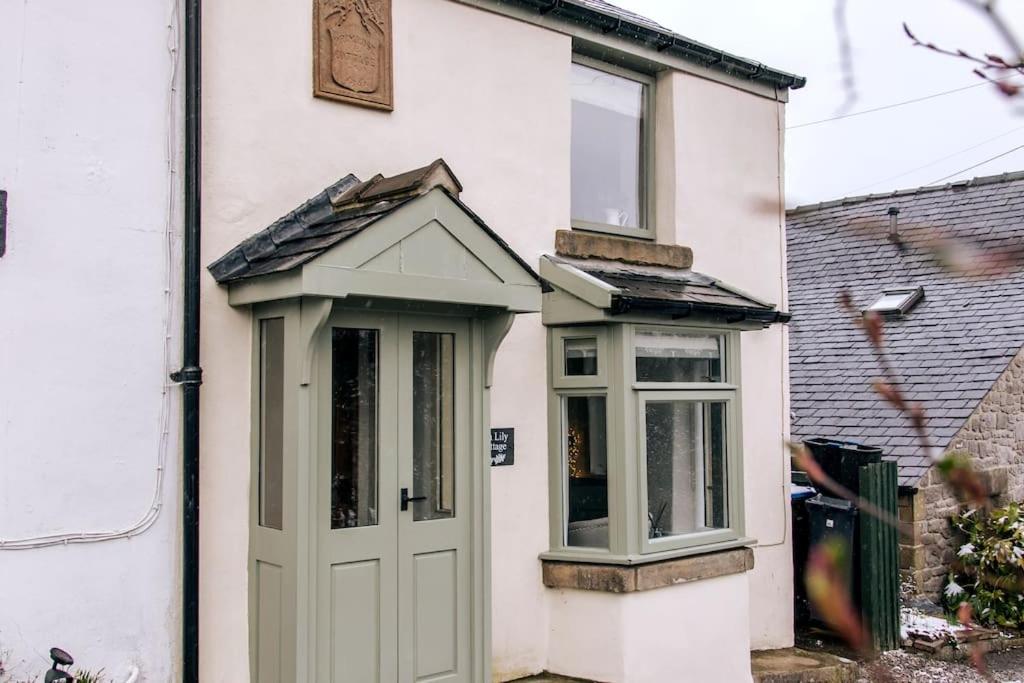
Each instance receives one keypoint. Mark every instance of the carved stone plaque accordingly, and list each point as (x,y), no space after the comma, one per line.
(352,51)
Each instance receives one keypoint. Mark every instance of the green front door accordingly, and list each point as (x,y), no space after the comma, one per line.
(393,524)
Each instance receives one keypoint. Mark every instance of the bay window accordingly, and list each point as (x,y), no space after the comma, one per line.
(647,461)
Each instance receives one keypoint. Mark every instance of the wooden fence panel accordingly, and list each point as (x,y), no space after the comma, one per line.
(879,557)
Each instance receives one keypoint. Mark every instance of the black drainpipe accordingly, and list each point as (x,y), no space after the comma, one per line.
(191,375)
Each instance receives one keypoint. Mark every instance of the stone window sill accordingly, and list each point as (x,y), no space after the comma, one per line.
(616,578)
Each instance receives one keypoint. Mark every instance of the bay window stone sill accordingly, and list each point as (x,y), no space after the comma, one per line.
(618,578)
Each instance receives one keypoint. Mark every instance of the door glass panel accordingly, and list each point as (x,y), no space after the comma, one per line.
(433,425)
(271,422)
(686,467)
(586,445)
(353,428)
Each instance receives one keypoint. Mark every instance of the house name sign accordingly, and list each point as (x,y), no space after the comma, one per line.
(352,52)
(503,446)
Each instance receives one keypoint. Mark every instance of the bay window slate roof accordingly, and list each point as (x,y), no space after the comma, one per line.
(673,290)
(948,350)
(340,212)
(608,18)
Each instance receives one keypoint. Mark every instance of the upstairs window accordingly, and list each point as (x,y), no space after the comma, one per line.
(611,149)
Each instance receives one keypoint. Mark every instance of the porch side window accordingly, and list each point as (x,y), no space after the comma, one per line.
(271,435)
(611,148)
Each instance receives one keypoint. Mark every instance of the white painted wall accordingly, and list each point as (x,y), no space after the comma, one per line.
(728,201)
(494,103)
(490,95)
(686,632)
(85,120)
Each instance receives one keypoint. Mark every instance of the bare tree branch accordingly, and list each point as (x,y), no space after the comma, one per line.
(849,79)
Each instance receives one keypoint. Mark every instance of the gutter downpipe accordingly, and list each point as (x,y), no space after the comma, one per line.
(190,376)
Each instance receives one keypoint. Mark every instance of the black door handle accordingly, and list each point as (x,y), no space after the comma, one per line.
(406,499)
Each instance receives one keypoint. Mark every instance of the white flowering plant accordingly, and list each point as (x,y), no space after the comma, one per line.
(988,573)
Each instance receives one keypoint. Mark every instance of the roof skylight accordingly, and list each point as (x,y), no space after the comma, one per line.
(897,301)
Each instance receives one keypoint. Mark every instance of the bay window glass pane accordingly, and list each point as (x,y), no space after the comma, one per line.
(607,139)
(433,425)
(271,498)
(664,356)
(586,446)
(353,428)
(581,357)
(686,467)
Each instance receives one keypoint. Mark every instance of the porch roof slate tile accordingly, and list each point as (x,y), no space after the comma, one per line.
(660,287)
(336,214)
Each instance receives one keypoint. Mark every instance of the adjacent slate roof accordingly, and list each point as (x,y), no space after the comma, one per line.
(675,290)
(608,18)
(341,211)
(948,350)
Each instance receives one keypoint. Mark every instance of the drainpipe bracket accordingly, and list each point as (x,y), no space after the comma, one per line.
(189,375)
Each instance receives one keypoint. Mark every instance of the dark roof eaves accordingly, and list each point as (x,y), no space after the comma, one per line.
(622,303)
(662,40)
(924,189)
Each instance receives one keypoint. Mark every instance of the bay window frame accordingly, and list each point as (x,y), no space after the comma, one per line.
(626,399)
(734,495)
(559,336)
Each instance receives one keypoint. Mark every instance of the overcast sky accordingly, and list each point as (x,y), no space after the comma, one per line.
(874,152)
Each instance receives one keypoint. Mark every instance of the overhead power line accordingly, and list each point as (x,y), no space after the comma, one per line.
(980,163)
(894,105)
(936,161)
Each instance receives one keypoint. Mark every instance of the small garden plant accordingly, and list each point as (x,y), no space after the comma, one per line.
(989,572)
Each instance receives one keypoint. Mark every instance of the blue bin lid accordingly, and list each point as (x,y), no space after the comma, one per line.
(798,492)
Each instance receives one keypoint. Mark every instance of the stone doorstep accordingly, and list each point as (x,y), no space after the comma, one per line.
(793,665)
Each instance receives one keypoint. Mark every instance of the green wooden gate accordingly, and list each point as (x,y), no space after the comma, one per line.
(879,557)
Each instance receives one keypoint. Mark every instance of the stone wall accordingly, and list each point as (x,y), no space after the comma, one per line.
(994,438)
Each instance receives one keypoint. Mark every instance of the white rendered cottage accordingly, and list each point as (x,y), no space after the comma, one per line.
(353,529)
(431,230)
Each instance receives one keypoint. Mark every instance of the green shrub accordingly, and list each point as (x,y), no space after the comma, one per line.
(89,676)
(989,570)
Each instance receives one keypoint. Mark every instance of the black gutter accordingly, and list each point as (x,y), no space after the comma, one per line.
(190,376)
(662,40)
(622,305)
